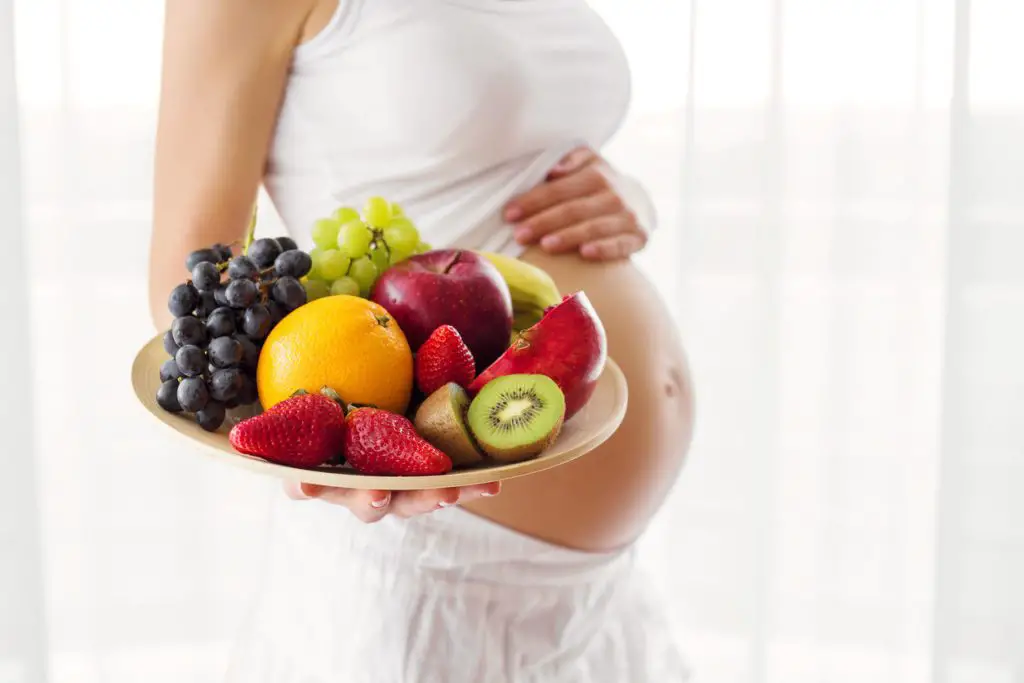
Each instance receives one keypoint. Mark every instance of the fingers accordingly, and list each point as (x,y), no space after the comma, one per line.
(412,503)
(468,494)
(572,162)
(372,506)
(554,192)
(569,213)
(367,506)
(612,248)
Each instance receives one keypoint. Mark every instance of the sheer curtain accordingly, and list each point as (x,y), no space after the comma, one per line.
(842,225)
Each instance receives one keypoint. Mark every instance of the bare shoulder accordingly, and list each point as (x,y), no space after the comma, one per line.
(272,24)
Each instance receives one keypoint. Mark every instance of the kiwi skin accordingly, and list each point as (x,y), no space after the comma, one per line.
(440,419)
(525,451)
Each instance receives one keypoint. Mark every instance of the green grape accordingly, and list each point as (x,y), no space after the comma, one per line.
(377,212)
(316,254)
(345,214)
(345,285)
(365,274)
(422,247)
(397,256)
(315,289)
(401,234)
(325,233)
(354,239)
(333,264)
(397,210)
(380,259)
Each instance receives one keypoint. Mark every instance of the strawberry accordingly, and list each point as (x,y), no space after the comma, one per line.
(444,358)
(306,430)
(379,442)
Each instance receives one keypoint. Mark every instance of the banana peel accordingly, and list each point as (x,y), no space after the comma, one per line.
(532,289)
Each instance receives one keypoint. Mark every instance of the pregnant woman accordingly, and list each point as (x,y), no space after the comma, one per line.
(481,117)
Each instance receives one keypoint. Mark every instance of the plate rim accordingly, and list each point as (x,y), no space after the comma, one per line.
(351,480)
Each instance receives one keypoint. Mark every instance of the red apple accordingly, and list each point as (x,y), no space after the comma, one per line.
(449,287)
(568,345)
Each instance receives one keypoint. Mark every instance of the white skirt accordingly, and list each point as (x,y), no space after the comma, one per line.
(445,598)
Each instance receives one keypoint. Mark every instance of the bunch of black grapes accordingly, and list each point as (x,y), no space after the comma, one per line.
(222,316)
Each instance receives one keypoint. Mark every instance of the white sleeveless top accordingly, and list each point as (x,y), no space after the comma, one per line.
(449,107)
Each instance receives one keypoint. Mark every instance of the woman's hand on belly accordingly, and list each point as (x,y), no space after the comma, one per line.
(578,208)
(373,506)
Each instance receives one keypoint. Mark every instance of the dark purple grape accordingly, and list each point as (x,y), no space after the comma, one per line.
(223,252)
(243,268)
(277,312)
(225,384)
(294,263)
(207,304)
(188,330)
(251,352)
(220,295)
(169,370)
(286,243)
(192,394)
(241,293)
(211,417)
(226,352)
(170,346)
(167,396)
(190,360)
(221,323)
(257,321)
(205,276)
(247,393)
(201,256)
(264,251)
(288,292)
(183,300)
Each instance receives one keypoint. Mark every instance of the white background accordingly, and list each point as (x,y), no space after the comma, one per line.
(842,230)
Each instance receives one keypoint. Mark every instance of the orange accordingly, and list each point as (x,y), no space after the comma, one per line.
(349,344)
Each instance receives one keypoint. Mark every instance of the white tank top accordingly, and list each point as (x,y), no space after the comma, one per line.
(449,107)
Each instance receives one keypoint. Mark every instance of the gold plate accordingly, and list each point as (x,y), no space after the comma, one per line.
(587,430)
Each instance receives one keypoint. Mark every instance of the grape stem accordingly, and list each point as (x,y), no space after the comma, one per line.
(250,233)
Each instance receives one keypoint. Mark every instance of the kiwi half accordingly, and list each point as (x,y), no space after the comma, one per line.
(441,420)
(515,417)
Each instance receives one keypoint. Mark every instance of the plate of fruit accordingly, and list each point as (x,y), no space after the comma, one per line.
(376,362)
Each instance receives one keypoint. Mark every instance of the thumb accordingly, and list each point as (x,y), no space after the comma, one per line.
(572,162)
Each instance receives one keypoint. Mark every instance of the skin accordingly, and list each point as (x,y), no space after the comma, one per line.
(225,70)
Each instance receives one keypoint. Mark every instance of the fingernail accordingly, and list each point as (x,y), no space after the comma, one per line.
(523,235)
(589,250)
(551,242)
(513,213)
(309,491)
(381,502)
(491,493)
(445,504)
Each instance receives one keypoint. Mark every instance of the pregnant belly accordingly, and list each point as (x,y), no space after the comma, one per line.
(605,499)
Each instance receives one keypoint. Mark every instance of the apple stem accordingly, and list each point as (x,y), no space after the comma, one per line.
(452,262)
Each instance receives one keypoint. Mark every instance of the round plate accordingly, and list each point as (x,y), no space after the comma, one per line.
(587,430)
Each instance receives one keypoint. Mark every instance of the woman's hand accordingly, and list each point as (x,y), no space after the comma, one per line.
(372,506)
(578,208)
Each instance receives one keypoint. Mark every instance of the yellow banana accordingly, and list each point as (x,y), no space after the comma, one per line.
(532,289)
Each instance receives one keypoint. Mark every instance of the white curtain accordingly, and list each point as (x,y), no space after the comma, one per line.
(840,187)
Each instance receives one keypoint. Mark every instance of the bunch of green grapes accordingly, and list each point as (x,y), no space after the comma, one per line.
(352,250)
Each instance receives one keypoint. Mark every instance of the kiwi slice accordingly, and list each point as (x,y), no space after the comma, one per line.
(441,420)
(515,417)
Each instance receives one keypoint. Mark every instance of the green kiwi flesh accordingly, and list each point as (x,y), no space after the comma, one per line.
(516,417)
(441,420)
